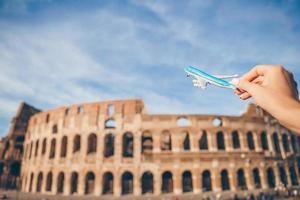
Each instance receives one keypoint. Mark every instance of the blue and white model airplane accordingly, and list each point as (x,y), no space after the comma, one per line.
(202,79)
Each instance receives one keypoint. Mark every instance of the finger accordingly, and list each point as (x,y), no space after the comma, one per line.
(251,88)
(245,96)
(258,70)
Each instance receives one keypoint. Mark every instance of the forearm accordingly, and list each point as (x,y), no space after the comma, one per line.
(289,115)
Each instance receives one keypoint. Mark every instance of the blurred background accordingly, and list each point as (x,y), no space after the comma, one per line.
(54,53)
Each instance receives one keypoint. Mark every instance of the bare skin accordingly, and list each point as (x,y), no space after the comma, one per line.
(275,90)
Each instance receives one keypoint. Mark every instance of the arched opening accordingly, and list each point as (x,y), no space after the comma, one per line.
(89,183)
(36,148)
(128,145)
(31,182)
(235,140)
(92,143)
(110,123)
(187,182)
(39,182)
(166,141)
(285,143)
(52,148)
(54,128)
(109,145)
(147,183)
(276,142)
(76,143)
(225,180)
(241,180)
(256,178)
(293,176)
(203,144)
(206,181)
(49,182)
(30,152)
(60,183)
(108,183)
(47,118)
(147,142)
(80,110)
(294,143)
(182,121)
(15,168)
(127,183)
(271,178)
(264,141)
(74,182)
(64,147)
(250,141)
(220,141)
(186,143)
(44,146)
(283,177)
(167,182)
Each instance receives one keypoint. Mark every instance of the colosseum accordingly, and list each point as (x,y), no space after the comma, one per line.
(116,148)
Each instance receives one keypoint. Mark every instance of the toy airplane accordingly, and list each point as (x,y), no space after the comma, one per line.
(202,79)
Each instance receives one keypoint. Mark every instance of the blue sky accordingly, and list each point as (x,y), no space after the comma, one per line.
(55,53)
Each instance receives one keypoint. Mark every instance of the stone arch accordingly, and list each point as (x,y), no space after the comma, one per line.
(92,143)
(44,146)
(276,142)
(74,183)
(203,143)
(31,181)
(206,181)
(110,123)
(187,182)
(36,148)
(220,141)
(166,141)
(147,182)
(293,176)
(241,180)
(283,176)
(167,182)
(250,141)
(60,183)
(49,181)
(109,145)
(186,142)
(110,110)
(271,178)
(127,183)
(108,183)
(225,180)
(235,140)
(147,142)
(285,142)
(89,183)
(64,147)
(128,144)
(39,182)
(76,143)
(256,178)
(52,148)
(264,141)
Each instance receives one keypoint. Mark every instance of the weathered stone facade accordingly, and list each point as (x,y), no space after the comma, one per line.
(11,147)
(116,148)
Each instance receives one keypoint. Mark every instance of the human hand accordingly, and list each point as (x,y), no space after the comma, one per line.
(272,87)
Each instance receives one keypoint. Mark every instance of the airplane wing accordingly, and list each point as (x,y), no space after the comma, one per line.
(226,76)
